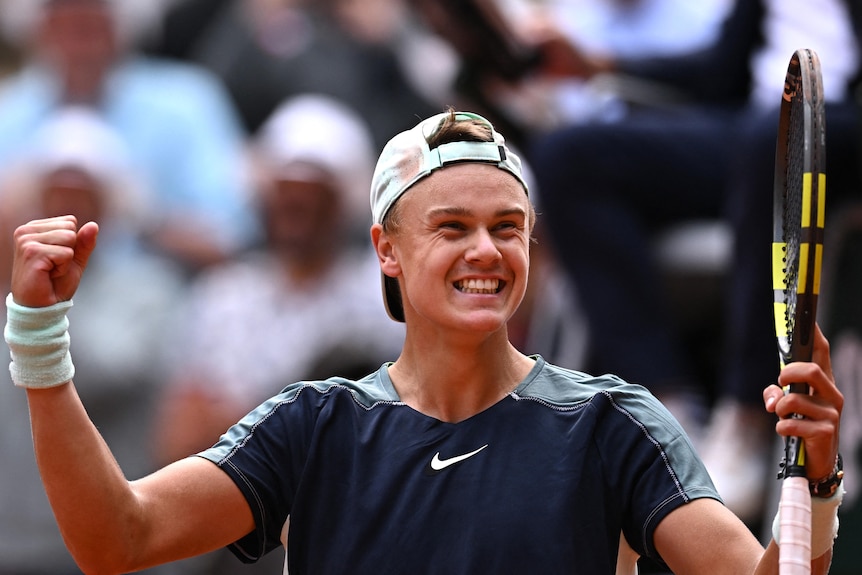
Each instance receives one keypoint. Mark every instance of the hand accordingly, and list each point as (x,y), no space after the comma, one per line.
(50,256)
(821,409)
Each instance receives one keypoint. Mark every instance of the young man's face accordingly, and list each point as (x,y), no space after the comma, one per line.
(462,247)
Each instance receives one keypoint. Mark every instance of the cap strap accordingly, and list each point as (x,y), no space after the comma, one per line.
(466,152)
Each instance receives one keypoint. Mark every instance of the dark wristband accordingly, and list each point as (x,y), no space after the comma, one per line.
(827,486)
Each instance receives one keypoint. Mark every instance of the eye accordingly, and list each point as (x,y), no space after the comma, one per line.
(508,226)
(451,225)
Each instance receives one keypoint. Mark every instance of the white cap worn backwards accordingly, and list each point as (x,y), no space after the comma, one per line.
(406,159)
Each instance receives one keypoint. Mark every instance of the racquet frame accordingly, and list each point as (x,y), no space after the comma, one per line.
(797,257)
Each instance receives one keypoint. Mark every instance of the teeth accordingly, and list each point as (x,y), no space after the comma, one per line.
(479,285)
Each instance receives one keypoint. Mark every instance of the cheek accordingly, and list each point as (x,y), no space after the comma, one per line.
(518,256)
(521,268)
(424,266)
(419,267)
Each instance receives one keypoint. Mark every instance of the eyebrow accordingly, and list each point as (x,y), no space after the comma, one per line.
(461,211)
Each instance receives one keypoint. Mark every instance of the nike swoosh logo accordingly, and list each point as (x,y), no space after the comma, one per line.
(437,465)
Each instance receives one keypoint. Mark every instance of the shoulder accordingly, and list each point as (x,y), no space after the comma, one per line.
(297,409)
(566,387)
(631,406)
(366,393)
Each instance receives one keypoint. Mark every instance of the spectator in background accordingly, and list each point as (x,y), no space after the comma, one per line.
(77,164)
(362,53)
(175,119)
(501,67)
(313,283)
(608,186)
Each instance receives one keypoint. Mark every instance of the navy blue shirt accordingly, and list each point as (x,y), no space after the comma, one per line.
(544,481)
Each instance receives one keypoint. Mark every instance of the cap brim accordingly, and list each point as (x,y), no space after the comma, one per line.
(392,298)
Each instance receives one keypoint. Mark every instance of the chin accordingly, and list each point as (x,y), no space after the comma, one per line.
(485,321)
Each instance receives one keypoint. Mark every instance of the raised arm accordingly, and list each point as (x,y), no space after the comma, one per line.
(705,537)
(110,525)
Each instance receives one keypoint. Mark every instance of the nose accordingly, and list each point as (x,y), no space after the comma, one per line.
(483,249)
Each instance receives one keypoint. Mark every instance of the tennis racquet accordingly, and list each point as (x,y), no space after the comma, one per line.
(797,254)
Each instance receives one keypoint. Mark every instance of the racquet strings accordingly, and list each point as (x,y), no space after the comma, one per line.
(792,223)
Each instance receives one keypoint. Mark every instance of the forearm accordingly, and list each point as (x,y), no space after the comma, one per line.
(94,505)
(820,566)
(769,563)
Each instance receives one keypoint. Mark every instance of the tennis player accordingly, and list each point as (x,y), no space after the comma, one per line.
(461,456)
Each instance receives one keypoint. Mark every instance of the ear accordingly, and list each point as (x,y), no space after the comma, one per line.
(386,253)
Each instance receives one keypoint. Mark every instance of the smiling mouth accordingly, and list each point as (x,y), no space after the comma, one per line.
(479,286)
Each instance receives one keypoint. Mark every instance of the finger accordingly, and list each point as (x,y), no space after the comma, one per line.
(35,265)
(824,403)
(821,383)
(820,354)
(44,250)
(771,395)
(820,436)
(52,222)
(817,373)
(810,406)
(53,231)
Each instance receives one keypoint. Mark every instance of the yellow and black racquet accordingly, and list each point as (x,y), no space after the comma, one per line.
(797,256)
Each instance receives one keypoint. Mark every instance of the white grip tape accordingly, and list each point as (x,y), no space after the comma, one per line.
(38,340)
(804,523)
(794,512)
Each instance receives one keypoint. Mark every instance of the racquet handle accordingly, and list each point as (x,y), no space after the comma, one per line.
(794,448)
(795,527)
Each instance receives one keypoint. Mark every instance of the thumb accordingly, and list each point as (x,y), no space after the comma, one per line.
(66,283)
(86,243)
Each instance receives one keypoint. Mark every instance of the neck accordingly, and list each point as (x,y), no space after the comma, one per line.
(472,379)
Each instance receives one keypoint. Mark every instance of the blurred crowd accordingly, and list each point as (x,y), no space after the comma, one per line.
(226,147)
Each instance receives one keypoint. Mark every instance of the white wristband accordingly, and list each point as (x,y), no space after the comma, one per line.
(38,340)
(824,522)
